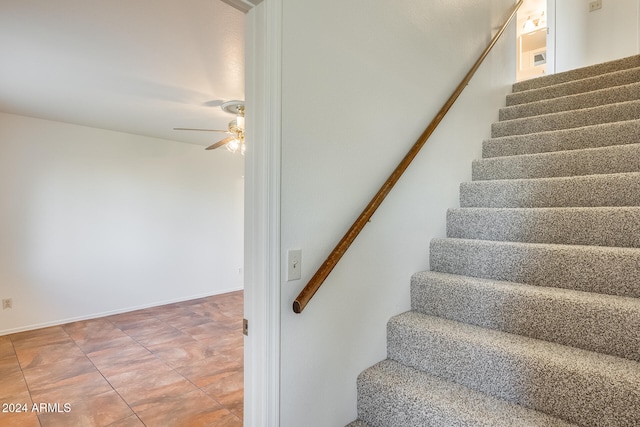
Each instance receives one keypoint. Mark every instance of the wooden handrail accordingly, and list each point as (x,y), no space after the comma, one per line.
(316,281)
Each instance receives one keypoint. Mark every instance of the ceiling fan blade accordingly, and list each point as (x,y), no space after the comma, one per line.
(203,130)
(220,143)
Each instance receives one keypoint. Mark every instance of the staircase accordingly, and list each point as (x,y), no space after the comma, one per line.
(530,315)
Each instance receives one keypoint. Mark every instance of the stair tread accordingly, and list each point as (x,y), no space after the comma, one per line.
(596,322)
(593,98)
(572,87)
(590,136)
(597,226)
(619,111)
(541,375)
(584,161)
(579,74)
(600,269)
(619,369)
(446,403)
(619,189)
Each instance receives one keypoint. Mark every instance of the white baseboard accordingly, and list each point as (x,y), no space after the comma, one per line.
(112,312)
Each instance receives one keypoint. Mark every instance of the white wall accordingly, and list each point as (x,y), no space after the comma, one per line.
(360,82)
(94,221)
(584,38)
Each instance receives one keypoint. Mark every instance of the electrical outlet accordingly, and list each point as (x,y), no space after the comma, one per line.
(595,5)
(7,303)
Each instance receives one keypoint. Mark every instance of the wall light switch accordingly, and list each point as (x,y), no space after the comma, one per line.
(294,262)
(595,5)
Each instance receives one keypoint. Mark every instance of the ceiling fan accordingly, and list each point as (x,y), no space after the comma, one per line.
(234,142)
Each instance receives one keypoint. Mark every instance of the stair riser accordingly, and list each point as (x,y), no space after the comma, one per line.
(519,373)
(570,318)
(569,226)
(575,87)
(568,120)
(613,95)
(614,271)
(606,160)
(582,73)
(604,135)
(595,190)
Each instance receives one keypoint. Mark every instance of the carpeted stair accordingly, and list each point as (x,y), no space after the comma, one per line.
(530,315)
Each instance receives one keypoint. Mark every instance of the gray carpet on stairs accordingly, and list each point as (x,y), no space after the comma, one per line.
(444,404)
(573,87)
(579,74)
(575,191)
(588,161)
(593,136)
(603,323)
(629,92)
(601,226)
(530,315)
(629,110)
(545,376)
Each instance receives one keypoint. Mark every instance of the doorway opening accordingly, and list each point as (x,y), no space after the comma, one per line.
(532,31)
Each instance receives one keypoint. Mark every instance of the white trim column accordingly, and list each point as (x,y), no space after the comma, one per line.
(262,215)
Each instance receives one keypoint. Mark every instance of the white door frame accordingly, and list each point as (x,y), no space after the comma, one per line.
(262,214)
(551,36)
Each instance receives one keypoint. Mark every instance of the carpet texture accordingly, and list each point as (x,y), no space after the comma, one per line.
(530,315)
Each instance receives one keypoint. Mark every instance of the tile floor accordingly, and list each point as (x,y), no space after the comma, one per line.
(176,365)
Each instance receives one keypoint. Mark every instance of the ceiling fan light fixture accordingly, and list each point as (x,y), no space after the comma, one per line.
(233,107)
(236,145)
(240,121)
(235,142)
(529,25)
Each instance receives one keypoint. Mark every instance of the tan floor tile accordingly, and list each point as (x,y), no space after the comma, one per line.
(69,389)
(136,371)
(9,365)
(124,318)
(155,359)
(95,411)
(39,337)
(185,319)
(32,357)
(148,382)
(131,421)
(6,347)
(92,335)
(111,361)
(226,387)
(158,335)
(92,345)
(55,372)
(182,355)
(22,419)
(204,372)
(14,389)
(193,410)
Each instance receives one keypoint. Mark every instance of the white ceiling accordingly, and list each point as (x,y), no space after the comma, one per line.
(136,66)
